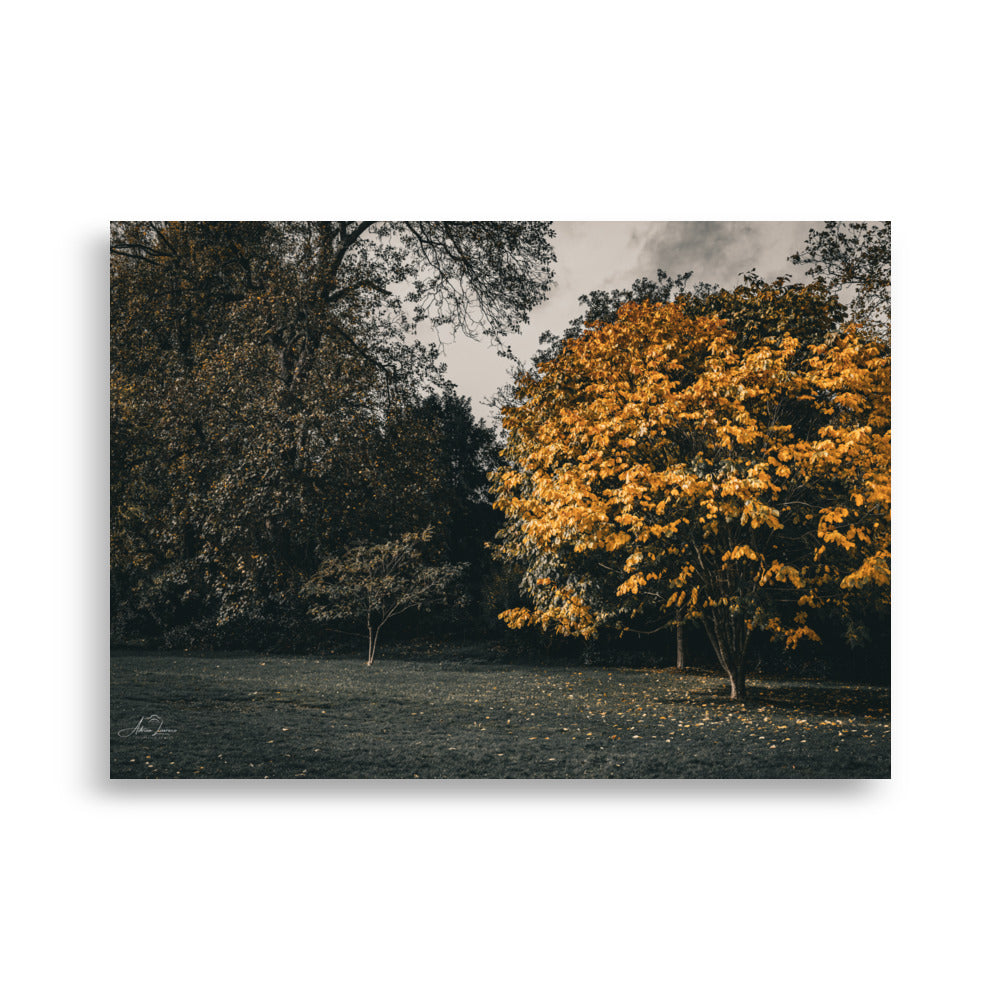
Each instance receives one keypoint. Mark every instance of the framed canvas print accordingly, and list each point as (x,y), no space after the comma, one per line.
(500,500)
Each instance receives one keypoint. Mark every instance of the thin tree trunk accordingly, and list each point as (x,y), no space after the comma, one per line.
(680,645)
(729,655)
(372,643)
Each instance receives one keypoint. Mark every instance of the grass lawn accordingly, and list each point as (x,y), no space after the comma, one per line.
(302,717)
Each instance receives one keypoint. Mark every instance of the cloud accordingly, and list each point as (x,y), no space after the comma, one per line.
(607,255)
(717,252)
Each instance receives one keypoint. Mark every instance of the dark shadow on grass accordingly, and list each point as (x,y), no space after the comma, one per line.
(804,697)
(819,697)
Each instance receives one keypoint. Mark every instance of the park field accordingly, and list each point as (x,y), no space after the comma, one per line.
(262,716)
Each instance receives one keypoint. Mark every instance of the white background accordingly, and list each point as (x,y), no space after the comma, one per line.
(761,111)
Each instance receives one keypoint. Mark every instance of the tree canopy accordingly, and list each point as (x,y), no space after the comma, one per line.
(270,402)
(855,258)
(375,582)
(724,457)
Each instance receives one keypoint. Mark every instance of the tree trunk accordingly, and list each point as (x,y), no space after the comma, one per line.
(728,637)
(738,683)
(372,642)
(680,645)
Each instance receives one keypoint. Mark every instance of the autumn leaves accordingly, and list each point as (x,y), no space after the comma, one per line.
(680,460)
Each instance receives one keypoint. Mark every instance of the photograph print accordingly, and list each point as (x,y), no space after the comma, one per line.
(511,500)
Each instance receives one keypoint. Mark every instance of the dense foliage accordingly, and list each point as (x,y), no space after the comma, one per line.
(703,455)
(723,458)
(272,405)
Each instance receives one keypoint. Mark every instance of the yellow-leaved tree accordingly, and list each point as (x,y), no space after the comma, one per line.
(671,466)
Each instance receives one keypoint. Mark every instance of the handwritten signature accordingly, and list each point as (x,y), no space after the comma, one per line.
(148,725)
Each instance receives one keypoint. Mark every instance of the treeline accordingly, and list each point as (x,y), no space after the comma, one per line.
(272,410)
(271,406)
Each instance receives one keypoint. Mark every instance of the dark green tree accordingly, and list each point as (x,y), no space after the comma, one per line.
(855,259)
(266,383)
(465,451)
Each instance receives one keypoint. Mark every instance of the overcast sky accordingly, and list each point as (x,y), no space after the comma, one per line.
(606,255)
